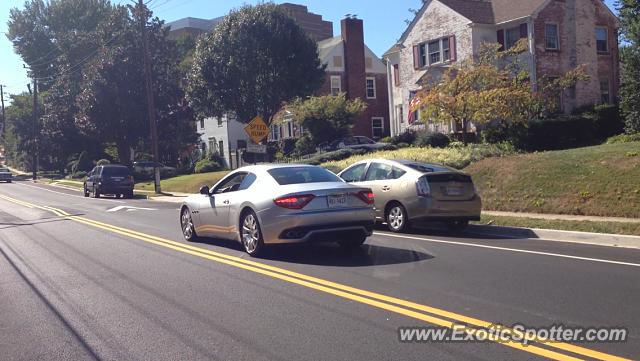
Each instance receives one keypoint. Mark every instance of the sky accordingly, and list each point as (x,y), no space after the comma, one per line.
(383,24)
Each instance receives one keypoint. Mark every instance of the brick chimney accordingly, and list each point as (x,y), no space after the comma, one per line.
(354,64)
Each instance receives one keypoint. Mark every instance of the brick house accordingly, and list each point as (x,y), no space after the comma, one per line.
(354,69)
(562,34)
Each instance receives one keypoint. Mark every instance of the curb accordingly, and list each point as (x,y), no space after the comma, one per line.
(598,239)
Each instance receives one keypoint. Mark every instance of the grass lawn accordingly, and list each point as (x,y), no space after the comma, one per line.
(190,183)
(582,226)
(601,180)
(76,184)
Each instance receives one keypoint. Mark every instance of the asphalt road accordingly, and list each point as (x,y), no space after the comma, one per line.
(82,280)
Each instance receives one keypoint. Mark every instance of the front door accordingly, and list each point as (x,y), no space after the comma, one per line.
(214,216)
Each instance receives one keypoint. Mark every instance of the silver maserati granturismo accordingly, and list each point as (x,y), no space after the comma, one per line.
(267,204)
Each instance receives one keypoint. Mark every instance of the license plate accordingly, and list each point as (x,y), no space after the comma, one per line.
(337,200)
(454,191)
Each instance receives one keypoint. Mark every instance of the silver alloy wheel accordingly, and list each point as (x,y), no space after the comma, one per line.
(396,217)
(187,224)
(250,233)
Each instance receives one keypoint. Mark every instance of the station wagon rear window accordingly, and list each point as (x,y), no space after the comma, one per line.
(116,171)
(298,175)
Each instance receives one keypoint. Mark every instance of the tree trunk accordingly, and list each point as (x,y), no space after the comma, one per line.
(124,152)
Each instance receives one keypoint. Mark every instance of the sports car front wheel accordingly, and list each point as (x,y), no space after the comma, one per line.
(186,223)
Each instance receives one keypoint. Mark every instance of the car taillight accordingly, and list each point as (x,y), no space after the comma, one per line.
(294,202)
(366,196)
(422,187)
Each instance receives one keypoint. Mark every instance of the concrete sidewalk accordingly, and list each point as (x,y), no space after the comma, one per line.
(561,217)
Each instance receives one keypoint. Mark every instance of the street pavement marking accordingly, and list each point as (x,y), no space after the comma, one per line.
(508,249)
(71,195)
(366,297)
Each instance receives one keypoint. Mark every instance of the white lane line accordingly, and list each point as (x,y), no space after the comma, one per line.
(510,249)
(67,194)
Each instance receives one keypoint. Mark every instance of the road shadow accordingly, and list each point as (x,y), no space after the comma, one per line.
(329,254)
(481,232)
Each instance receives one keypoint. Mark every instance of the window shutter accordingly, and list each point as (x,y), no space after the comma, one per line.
(500,35)
(416,55)
(523,31)
(452,48)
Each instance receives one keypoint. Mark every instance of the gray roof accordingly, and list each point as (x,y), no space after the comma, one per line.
(195,23)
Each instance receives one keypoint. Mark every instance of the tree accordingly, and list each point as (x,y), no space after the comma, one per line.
(630,55)
(493,87)
(18,137)
(253,61)
(327,117)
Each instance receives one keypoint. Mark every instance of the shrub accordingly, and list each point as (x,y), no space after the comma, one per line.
(407,137)
(304,146)
(206,165)
(79,175)
(103,162)
(514,133)
(436,140)
(456,157)
(335,155)
(624,138)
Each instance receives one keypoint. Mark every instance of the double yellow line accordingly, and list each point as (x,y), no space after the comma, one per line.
(435,316)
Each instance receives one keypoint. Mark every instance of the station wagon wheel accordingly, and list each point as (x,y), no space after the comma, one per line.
(397,218)
(250,234)
(186,223)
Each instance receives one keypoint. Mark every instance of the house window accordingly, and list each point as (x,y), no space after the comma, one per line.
(605,96)
(212,146)
(446,53)
(221,148)
(377,127)
(336,85)
(400,113)
(220,121)
(602,40)
(289,130)
(337,61)
(396,75)
(371,88)
(201,123)
(434,52)
(275,132)
(422,55)
(551,37)
(512,35)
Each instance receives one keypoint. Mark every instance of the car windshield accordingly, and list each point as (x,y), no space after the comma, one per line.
(297,175)
(427,168)
(116,171)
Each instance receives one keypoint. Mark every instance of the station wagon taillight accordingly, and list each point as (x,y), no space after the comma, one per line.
(294,202)
(422,187)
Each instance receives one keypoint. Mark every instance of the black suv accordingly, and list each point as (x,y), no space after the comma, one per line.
(109,179)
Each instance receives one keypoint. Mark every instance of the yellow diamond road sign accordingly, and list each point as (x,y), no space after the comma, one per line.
(257,129)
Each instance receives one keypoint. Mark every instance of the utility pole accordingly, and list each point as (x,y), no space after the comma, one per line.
(35,160)
(4,121)
(151,109)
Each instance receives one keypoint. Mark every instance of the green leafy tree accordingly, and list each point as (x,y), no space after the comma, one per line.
(494,87)
(630,55)
(18,140)
(327,117)
(254,60)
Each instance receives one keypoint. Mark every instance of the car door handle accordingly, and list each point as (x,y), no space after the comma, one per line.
(386,188)
(226,201)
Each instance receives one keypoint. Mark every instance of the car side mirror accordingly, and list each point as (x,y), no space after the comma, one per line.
(204,190)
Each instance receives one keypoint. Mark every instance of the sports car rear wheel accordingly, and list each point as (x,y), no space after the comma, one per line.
(251,235)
